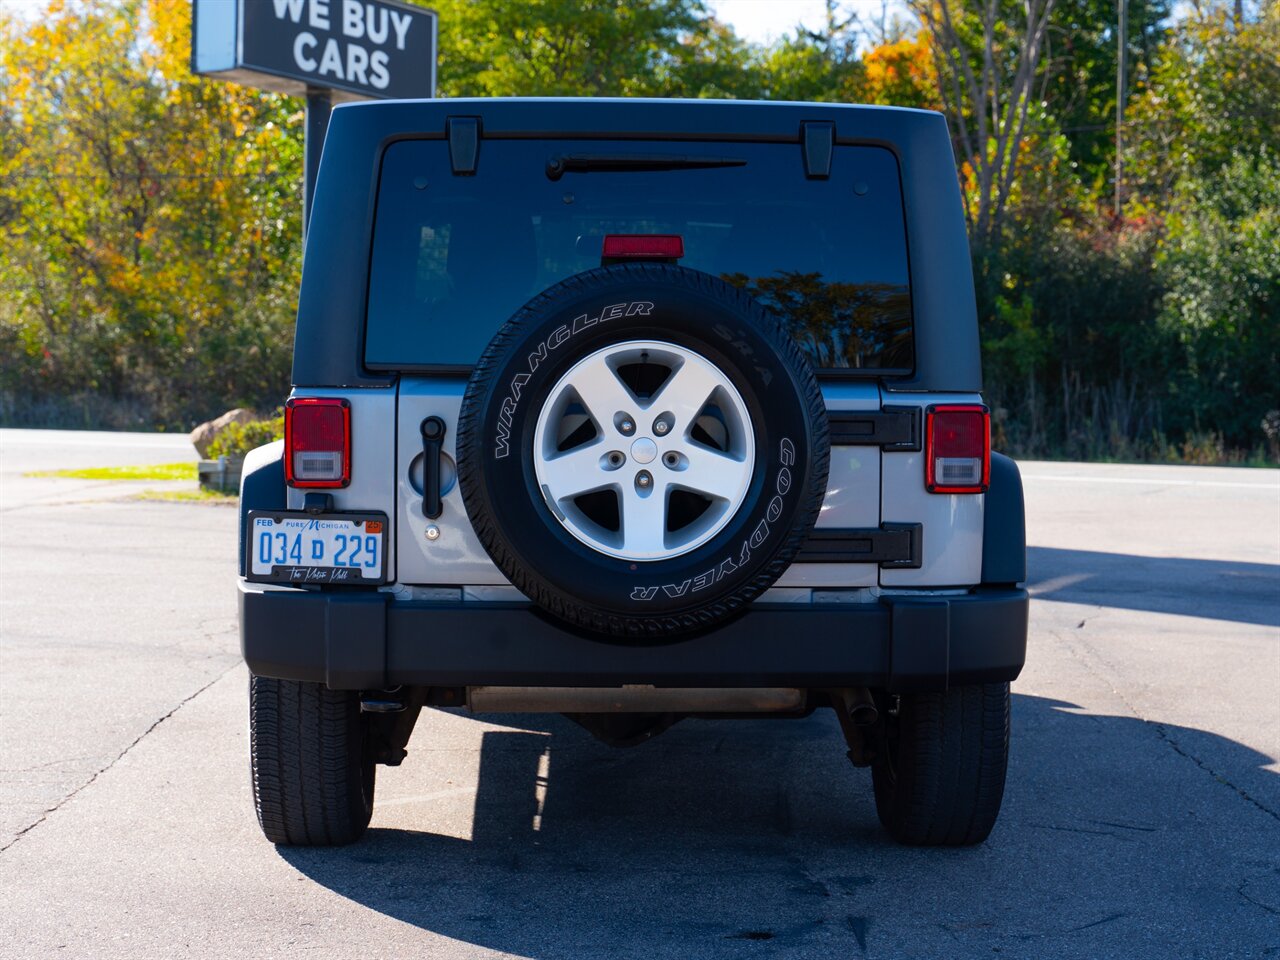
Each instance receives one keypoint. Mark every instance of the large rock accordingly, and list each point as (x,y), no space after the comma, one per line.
(203,435)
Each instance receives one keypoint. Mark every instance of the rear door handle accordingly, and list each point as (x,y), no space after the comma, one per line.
(432,444)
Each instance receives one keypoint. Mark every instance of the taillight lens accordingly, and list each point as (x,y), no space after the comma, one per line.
(317,442)
(957,448)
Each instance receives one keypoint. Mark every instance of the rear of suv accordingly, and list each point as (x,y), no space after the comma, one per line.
(634,411)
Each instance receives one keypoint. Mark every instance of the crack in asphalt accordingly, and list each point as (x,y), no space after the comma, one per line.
(1094,833)
(1160,729)
(1096,923)
(74,793)
(42,766)
(1257,903)
(1177,748)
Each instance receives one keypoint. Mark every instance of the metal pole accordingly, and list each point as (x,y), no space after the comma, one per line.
(319,106)
(1122,49)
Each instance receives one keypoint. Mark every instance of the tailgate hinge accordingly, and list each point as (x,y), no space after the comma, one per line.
(463,134)
(817,141)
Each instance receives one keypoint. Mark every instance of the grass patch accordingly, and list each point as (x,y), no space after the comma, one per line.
(152,471)
(188,496)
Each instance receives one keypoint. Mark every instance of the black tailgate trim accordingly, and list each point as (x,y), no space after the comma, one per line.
(893,545)
(893,428)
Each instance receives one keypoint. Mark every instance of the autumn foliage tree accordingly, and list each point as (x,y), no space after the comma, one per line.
(149,240)
(150,220)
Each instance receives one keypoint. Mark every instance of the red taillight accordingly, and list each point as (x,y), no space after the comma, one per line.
(957,449)
(317,442)
(642,246)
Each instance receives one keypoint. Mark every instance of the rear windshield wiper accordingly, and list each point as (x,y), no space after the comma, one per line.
(557,167)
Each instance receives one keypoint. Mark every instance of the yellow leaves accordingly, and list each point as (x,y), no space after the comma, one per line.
(902,74)
(170,34)
(143,194)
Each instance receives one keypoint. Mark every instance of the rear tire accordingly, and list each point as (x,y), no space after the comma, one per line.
(313,766)
(939,777)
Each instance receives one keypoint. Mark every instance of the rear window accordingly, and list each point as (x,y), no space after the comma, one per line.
(455,256)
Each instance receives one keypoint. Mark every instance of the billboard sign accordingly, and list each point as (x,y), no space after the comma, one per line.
(357,48)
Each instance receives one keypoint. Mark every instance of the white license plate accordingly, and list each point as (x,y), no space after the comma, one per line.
(327,548)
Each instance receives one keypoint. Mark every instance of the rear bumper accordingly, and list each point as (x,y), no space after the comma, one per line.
(365,641)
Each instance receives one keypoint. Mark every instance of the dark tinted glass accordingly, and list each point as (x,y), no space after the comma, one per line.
(454,256)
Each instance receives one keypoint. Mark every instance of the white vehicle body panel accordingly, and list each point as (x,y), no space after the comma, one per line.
(865,486)
(853,495)
(373,460)
(455,556)
(952,539)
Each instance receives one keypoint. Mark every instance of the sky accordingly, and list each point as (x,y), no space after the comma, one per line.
(764,21)
(760,21)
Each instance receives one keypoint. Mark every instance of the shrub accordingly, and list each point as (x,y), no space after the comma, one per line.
(239,438)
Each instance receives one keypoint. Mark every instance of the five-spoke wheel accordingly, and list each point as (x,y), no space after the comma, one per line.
(644,450)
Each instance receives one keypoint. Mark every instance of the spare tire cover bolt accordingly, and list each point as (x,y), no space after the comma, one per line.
(433,532)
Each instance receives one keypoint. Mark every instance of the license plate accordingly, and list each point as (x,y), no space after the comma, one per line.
(298,548)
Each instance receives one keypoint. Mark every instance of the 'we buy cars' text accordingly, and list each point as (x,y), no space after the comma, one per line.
(345,59)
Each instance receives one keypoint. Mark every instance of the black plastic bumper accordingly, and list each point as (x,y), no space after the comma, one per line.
(361,641)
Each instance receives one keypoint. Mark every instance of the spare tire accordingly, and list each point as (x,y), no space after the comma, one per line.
(642,450)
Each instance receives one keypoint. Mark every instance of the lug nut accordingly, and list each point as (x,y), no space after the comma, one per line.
(615,459)
(627,427)
(644,480)
(660,427)
(671,459)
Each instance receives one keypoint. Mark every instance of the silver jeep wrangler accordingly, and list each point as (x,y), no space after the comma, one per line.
(634,411)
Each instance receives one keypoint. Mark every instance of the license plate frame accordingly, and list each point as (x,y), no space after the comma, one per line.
(313,574)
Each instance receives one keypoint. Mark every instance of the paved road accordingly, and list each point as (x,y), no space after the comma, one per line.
(1142,817)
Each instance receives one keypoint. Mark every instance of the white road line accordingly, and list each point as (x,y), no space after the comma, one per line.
(1153,483)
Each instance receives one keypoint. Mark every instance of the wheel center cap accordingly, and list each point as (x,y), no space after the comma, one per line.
(644,450)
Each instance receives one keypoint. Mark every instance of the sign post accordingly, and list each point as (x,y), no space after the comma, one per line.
(319,106)
(325,50)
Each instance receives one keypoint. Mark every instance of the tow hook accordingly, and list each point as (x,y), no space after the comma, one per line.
(318,503)
(392,715)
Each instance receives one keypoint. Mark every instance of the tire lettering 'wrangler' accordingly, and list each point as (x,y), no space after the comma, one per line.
(615,311)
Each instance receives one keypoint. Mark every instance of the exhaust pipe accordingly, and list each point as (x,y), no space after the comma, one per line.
(857,714)
(859,706)
(635,698)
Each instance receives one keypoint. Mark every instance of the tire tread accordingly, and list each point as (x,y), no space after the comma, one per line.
(312,775)
(945,783)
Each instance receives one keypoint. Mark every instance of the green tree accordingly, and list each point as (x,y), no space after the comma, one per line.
(1211,95)
(816,65)
(1220,266)
(1080,77)
(592,48)
(1204,160)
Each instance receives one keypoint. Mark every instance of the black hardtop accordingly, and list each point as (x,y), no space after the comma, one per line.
(329,346)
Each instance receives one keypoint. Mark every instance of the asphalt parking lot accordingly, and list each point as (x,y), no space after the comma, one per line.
(1141,819)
